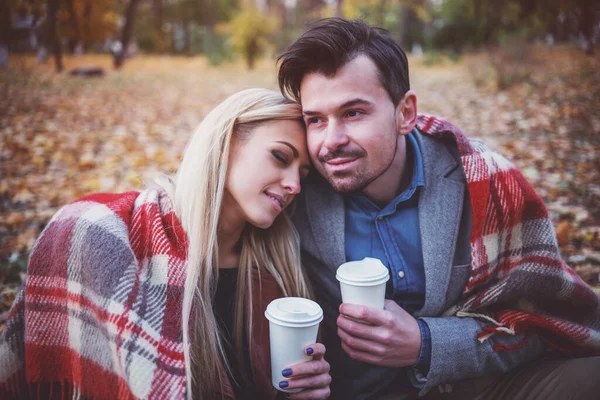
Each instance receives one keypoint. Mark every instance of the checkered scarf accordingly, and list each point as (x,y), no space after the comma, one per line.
(100,313)
(519,283)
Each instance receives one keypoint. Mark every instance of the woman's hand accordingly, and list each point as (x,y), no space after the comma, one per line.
(312,376)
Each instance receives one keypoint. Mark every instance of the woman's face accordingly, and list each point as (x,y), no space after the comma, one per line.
(264,172)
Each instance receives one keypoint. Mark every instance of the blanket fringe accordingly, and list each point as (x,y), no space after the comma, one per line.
(488,332)
(499,326)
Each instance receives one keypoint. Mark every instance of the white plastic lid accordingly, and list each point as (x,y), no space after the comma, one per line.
(366,272)
(296,312)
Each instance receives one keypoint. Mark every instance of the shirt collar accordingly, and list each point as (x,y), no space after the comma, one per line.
(418,175)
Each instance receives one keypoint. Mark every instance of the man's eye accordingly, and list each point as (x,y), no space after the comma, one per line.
(312,120)
(353,113)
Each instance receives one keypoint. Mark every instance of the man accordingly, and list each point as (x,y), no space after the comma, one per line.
(471,253)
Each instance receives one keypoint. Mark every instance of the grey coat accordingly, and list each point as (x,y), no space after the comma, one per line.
(445,224)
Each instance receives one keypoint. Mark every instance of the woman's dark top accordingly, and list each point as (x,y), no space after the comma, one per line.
(224,307)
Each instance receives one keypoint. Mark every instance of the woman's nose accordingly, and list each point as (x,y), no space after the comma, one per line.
(292,183)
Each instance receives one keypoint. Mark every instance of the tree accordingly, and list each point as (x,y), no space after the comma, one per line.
(5,24)
(87,23)
(119,55)
(74,23)
(159,36)
(250,30)
(51,37)
(338,8)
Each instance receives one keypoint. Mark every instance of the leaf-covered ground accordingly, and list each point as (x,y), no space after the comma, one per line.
(62,137)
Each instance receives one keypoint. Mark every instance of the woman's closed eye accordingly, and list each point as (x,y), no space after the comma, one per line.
(280,156)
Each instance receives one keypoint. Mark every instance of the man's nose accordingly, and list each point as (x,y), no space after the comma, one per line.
(335,136)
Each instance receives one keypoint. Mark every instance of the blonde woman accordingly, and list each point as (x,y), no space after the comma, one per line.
(161,293)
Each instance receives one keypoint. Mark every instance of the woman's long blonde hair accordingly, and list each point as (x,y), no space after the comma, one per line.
(197,194)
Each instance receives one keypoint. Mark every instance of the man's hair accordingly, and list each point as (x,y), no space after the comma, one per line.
(330,43)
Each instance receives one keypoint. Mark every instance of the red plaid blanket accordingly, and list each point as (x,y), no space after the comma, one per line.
(519,283)
(100,313)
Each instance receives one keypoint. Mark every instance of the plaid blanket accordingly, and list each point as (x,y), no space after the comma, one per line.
(100,313)
(519,283)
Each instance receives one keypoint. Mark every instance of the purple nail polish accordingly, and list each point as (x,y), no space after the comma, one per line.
(283,384)
(309,351)
(286,372)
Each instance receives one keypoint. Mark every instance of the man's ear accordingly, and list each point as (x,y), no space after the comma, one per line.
(406,113)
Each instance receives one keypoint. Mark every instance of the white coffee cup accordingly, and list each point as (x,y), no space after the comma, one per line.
(363,282)
(293,325)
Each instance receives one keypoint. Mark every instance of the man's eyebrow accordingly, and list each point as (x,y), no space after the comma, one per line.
(356,102)
(349,103)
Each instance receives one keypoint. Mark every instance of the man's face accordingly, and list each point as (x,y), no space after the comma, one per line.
(352,125)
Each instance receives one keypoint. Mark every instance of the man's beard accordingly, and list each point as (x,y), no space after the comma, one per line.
(352,183)
(358,181)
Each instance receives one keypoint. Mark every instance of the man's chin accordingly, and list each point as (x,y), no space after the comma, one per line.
(345,186)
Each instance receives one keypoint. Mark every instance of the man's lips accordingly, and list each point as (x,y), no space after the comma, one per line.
(340,162)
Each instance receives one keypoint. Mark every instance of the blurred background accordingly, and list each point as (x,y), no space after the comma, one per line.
(101,95)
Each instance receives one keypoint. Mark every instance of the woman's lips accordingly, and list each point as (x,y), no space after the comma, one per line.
(276,200)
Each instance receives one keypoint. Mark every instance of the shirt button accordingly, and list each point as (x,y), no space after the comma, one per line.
(401,274)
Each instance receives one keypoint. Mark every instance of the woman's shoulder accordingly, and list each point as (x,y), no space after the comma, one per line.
(86,241)
(97,205)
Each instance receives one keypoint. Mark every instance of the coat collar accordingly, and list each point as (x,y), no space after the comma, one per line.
(440,210)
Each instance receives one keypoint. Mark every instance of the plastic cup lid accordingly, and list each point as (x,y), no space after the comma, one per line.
(294,312)
(366,272)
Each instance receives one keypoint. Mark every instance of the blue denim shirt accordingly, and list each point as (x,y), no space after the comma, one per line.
(392,235)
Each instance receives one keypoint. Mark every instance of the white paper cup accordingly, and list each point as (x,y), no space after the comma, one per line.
(293,325)
(363,282)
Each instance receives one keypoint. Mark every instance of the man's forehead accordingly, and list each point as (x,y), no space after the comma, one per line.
(357,79)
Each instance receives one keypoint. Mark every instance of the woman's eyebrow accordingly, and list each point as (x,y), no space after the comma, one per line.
(296,154)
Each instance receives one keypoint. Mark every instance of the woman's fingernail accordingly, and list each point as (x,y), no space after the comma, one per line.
(283,384)
(286,372)
(309,351)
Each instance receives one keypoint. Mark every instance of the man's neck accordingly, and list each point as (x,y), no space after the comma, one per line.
(397,177)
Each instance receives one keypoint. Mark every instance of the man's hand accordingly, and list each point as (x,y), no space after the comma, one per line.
(388,337)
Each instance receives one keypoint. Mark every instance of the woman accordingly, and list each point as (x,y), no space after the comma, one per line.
(161,293)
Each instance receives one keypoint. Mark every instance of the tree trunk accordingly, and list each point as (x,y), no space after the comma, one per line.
(53,42)
(87,23)
(380,17)
(74,25)
(187,40)
(587,24)
(5,27)
(338,8)
(119,56)
(479,20)
(159,37)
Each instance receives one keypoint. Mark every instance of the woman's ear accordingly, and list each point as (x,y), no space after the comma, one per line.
(406,113)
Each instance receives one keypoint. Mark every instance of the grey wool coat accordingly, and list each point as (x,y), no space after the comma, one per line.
(445,223)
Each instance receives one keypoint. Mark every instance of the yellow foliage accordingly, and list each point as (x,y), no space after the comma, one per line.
(250,30)
(99,24)
(379,12)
